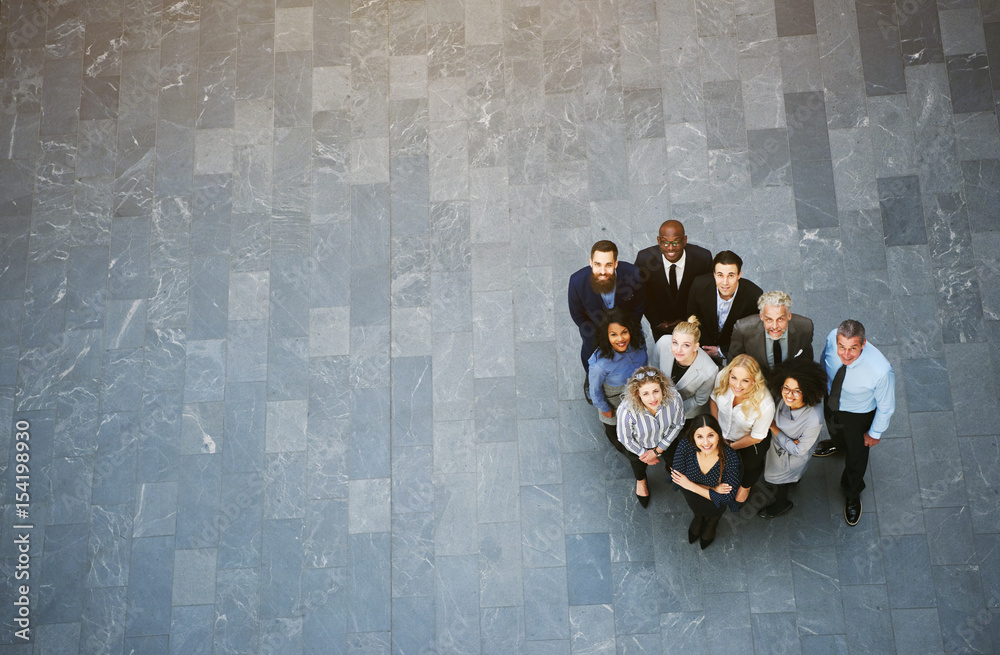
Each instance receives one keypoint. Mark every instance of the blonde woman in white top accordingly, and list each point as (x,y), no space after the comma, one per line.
(745,409)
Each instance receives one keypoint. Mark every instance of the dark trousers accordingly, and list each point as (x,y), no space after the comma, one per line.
(638,466)
(847,430)
(752,461)
(780,497)
(702,506)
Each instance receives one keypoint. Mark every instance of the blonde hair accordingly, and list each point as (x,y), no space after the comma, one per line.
(641,376)
(690,326)
(758,385)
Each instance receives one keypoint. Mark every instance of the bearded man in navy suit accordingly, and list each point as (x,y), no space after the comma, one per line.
(593,290)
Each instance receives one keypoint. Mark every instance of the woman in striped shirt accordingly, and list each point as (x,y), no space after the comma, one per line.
(649,419)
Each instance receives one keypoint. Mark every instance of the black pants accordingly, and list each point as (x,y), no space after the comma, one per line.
(638,466)
(702,506)
(752,461)
(847,430)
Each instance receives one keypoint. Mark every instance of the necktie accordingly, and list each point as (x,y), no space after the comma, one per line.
(776,349)
(836,387)
(673,279)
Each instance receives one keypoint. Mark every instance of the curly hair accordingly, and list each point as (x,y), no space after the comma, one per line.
(637,340)
(707,420)
(758,388)
(641,376)
(809,374)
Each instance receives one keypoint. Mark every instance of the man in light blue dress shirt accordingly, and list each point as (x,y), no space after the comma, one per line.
(861,399)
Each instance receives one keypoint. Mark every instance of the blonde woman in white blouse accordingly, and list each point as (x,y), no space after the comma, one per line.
(744,408)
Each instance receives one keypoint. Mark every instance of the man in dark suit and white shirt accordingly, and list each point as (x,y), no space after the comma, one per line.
(721,299)
(773,336)
(667,270)
(605,284)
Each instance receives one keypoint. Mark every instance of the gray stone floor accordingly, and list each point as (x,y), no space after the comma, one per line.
(282,301)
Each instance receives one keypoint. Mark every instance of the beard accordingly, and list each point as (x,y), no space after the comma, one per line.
(603,286)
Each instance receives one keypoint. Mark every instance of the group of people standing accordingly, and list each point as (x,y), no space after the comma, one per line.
(730,390)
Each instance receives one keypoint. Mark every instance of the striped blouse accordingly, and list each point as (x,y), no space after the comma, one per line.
(639,431)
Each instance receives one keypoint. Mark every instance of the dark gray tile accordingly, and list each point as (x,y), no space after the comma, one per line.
(794,18)
(815,194)
(969,78)
(808,139)
(882,61)
(919,33)
(902,211)
(981,193)
(992,34)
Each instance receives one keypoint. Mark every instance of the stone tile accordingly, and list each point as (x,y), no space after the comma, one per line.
(969,78)
(588,565)
(500,583)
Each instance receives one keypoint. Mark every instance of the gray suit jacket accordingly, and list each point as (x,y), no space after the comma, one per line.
(749,338)
(697,383)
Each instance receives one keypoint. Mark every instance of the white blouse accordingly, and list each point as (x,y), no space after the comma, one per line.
(736,425)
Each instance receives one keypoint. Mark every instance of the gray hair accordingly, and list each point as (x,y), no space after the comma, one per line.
(775,299)
(850,329)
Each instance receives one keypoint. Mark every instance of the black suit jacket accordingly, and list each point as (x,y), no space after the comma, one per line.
(701,303)
(661,303)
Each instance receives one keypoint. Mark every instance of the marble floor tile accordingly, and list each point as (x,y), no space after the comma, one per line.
(282,301)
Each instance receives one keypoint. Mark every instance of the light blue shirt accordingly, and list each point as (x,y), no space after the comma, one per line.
(869,383)
(609,299)
(615,372)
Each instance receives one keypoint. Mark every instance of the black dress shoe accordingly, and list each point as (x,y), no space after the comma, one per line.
(772,511)
(825,448)
(694,530)
(852,511)
(643,500)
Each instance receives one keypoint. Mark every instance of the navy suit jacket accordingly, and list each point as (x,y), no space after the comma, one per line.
(587,308)
(661,302)
(701,303)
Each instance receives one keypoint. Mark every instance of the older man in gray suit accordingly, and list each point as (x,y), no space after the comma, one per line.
(775,335)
